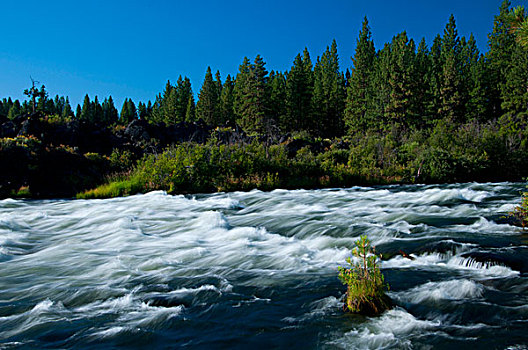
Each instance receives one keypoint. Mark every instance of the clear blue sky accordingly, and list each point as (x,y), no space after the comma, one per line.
(131,48)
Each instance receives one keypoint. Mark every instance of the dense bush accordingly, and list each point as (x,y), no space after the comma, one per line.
(471,152)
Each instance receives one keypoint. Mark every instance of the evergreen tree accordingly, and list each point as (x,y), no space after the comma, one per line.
(6,105)
(379,97)
(49,107)
(423,80)
(97,111)
(109,112)
(256,114)
(299,87)
(190,113)
(328,94)
(34,93)
(170,105)
(277,88)
(15,110)
(357,117)
(218,83)
(150,109)
(474,93)
(176,104)
(184,101)
(501,44)
(66,110)
(251,96)
(42,102)
(401,80)
(58,104)
(128,112)
(87,112)
(226,103)
(240,89)
(518,22)
(451,100)
(164,109)
(515,91)
(207,107)
(142,111)
(434,104)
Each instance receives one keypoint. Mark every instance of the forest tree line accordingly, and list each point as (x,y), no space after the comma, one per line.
(404,84)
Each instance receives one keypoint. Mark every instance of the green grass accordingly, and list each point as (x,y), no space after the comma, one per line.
(22,192)
(113,189)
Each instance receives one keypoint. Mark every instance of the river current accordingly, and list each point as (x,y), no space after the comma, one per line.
(259,269)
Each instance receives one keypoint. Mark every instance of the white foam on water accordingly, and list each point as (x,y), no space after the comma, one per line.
(474,196)
(13,222)
(206,287)
(220,202)
(149,316)
(485,269)
(9,201)
(112,305)
(424,260)
(484,226)
(392,329)
(454,263)
(43,312)
(318,309)
(430,196)
(210,220)
(506,208)
(43,306)
(131,312)
(445,290)
(108,333)
(405,227)
(517,347)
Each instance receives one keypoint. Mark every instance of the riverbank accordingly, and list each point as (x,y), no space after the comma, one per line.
(373,159)
(50,158)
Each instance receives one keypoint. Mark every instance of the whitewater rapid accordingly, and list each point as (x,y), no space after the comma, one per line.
(260,269)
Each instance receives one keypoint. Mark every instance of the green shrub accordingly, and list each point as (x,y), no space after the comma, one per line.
(520,213)
(365,283)
(122,160)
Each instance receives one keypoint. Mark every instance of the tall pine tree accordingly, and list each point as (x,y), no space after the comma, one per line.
(450,84)
(226,102)
(401,80)
(501,43)
(299,91)
(358,110)
(207,107)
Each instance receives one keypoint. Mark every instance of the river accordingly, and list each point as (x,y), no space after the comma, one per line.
(259,269)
